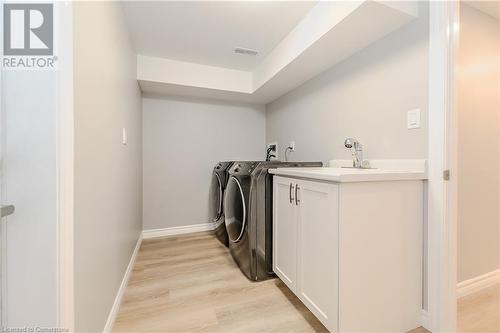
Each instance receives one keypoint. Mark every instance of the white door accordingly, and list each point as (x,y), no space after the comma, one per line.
(28,181)
(29,243)
(5,209)
(317,280)
(285,231)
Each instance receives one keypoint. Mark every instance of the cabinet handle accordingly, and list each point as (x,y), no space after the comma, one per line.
(297,201)
(291,197)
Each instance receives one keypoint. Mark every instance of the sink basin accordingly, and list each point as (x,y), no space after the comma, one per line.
(341,170)
(365,168)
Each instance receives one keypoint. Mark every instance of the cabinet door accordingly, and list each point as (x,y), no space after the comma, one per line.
(317,279)
(285,231)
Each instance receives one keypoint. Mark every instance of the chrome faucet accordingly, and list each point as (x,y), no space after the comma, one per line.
(356,151)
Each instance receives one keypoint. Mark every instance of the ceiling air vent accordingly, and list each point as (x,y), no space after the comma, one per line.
(240,50)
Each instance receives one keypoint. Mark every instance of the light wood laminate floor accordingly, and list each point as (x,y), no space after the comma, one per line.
(190,283)
(480,312)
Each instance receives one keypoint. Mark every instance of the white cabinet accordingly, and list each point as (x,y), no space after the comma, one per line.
(351,252)
(317,279)
(305,231)
(285,232)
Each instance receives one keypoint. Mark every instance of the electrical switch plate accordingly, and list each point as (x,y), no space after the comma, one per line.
(124,136)
(413,119)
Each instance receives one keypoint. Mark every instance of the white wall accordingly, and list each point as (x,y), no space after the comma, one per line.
(183,140)
(108,175)
(478,80)
(366,97)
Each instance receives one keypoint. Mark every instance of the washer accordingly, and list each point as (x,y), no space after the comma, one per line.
(248,215)
(216,199)
(220,176)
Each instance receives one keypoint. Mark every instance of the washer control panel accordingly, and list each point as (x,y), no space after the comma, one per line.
(221,166)
(243,168)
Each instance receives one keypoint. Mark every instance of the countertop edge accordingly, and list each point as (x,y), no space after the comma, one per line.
(353,178)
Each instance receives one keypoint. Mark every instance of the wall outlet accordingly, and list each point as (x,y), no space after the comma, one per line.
(291,145)
(413,119)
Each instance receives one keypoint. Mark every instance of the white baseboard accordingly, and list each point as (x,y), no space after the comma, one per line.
(478,283)
(153,233)
(425,320)
(121,291)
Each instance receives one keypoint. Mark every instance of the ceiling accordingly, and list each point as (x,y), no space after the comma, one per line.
(206,32)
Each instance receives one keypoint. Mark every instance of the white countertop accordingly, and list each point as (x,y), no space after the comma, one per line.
(343,175)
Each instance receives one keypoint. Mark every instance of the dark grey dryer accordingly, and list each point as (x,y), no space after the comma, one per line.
(248,215)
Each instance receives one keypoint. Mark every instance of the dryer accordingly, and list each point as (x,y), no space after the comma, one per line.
(248,215)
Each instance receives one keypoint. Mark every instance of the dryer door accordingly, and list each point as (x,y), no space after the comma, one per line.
(235,210)
(216,197)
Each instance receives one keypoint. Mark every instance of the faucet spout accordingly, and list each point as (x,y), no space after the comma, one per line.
(356,150)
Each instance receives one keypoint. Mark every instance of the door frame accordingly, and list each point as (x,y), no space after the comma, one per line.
(3,227)
(442,147)
(63,17)
(441,200)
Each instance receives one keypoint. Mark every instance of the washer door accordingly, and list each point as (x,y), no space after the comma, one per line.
(216,197)
(235,210)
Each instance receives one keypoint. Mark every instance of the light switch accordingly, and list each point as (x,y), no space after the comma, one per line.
(124,136)
(413,119)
